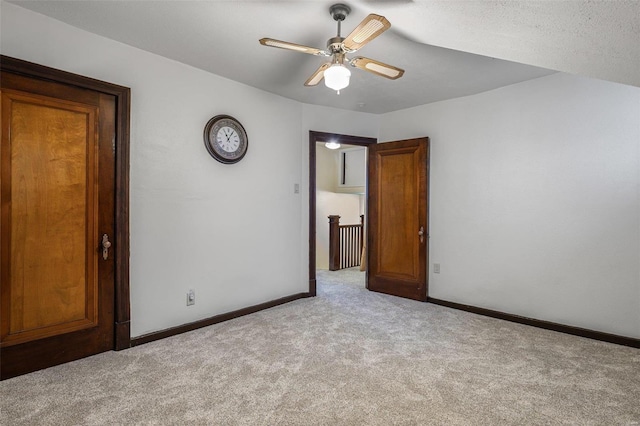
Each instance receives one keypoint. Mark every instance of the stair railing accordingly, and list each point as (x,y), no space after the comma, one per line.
(345,243)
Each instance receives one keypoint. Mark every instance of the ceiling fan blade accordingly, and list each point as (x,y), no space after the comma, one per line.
(318,75)
(292,46)
(377,67)
(371,27)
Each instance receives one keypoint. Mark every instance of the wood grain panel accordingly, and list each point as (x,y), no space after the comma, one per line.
(111,173)
(53,279)
(397,203)
(398,226)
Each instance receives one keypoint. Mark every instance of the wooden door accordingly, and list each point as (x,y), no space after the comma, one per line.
(398,220)
(57,195)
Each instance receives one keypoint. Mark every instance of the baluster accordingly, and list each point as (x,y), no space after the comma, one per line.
(345,255)
(341,247)
(361,249)
(346,248)
(349,256)
(353,245)
(342,250)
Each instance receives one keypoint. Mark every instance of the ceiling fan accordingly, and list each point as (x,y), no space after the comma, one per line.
(336,75)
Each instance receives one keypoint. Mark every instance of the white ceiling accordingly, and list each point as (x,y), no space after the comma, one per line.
(448,48)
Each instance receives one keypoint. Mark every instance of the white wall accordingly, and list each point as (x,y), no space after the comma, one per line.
(230,232)
(534,198)
(534,203)
(352,161)
(328,202)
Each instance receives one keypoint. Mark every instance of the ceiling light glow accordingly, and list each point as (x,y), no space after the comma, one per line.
(332,145)
(336,77)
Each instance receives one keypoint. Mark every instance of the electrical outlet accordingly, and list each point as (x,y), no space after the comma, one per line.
(191,298)
(436,268)
(296,188)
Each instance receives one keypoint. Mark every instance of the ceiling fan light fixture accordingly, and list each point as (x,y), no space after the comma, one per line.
(336,77)
(332,145)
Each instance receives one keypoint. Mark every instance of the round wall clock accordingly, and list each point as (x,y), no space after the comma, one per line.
(225,139)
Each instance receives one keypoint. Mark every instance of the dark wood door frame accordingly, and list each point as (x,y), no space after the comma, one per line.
(315,137)
(122,330)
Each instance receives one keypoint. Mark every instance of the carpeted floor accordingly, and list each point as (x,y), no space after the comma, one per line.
(346,357)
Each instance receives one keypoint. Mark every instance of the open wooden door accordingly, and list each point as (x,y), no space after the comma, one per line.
(398,225)
(58,223)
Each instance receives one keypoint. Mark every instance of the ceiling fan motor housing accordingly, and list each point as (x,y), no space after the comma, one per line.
(334,45)
(339,11)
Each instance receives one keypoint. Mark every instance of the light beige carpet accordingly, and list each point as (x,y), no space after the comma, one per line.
(346,357)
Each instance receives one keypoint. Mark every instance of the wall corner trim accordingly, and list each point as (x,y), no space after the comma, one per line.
(547,325)
(173,331)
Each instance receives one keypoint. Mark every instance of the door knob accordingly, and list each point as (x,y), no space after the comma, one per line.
(105,246)
(421,233)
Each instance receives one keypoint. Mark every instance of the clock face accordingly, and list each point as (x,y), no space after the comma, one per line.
(225,139)
(228,139)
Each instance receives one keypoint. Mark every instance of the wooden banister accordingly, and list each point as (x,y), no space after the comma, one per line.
(345,243)
(334,242)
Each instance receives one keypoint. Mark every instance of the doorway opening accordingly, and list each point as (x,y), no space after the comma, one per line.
(351,146)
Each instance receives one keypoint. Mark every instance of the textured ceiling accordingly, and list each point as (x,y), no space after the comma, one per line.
(448,48)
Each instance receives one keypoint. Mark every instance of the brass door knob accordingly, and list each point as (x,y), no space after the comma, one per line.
(105,246)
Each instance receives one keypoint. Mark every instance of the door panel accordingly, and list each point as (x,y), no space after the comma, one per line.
(53,206)
(397,212)
(57,202)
